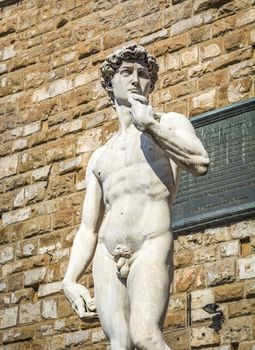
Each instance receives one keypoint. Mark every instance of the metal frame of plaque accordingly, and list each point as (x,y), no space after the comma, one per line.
(227,191)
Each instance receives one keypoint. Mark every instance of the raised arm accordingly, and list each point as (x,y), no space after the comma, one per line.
(174,133)
(84,244)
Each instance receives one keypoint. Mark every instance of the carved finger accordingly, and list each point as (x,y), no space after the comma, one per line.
(80,308)
(140,98)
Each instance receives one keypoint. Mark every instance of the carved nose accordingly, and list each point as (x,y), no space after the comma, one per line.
(134,78)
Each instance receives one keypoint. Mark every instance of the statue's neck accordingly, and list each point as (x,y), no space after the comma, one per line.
(125,122)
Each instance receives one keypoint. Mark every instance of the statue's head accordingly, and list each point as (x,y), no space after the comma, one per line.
(132,54)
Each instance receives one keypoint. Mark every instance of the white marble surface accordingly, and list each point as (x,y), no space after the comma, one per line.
(131,184)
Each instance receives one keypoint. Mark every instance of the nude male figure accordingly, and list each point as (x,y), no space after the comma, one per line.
(133,180)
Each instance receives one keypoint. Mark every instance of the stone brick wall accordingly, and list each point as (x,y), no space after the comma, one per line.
(54,113)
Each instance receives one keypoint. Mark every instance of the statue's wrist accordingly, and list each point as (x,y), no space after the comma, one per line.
(67,281)
(150,125)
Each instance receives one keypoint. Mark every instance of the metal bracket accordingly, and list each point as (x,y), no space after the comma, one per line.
(218,318)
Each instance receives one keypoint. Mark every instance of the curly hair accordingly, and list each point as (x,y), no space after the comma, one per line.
(114,61)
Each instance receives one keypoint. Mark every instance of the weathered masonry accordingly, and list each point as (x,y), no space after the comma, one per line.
(54,114)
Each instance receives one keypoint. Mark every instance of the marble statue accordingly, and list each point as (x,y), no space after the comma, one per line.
(131,184)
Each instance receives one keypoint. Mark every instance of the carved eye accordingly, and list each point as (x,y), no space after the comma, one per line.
(126,72)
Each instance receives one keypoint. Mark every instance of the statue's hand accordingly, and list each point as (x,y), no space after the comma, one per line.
(80,299)
(141,112)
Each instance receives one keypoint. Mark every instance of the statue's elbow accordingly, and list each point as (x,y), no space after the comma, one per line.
(202,167)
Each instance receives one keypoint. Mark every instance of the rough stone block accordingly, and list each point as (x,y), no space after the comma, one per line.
(56,88)
(243,229)
(7,53)
(200,298)
(229,248)
(250,288)
(148,39)
(241,308)
(90,141)
(6,254)
(246,17)
(186,24)
(59,151)
(205,254)
(204,336)
(70,165)
(178,302)
(237,330)
(30,312)
(2,286)
(199,315)
(183,259)
(98,335)
(41,173)
(200,69)
(204,102)
(189,56)
(49,288)
(32,159)
(178,340)
(75,338)
(238,90)
(247,268)
(8,166)
(33,192)
(184,279)
(229,292)
(86,78)
(209,51)
(35,226)
(173,61)
(71,127)
(8,317)
(242,69)
(26,294)
(16,216)
(34,276)
(221,272)
(49,309)
(177,319)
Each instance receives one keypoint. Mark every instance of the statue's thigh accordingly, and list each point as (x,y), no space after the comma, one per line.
(149,284)
(110,295)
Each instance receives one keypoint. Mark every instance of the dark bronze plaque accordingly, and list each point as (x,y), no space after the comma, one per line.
(228,189)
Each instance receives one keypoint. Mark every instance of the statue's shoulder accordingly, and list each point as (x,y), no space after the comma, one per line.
(94,158)
(174,120)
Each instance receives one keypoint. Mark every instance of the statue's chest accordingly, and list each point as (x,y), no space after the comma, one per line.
(124,153)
